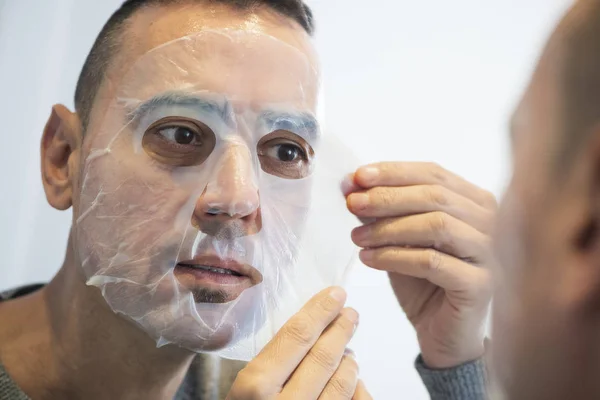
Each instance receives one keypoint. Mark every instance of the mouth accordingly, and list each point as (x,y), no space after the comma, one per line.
(208,268)
(214,280)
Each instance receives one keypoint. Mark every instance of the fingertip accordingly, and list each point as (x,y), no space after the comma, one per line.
(349,185)
(361,392)
(351,314)
(366,256)
(358,202)
(367,176)
(350,353)
(337,293)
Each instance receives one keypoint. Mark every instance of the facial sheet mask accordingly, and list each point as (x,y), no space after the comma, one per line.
(211,207)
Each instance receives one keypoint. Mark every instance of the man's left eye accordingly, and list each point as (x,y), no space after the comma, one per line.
(286,152)
(180,135)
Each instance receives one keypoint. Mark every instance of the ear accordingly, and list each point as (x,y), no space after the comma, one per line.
(60,146)
(579,195)
(585,183)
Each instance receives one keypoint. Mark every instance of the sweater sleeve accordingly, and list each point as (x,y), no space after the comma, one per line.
(465,382)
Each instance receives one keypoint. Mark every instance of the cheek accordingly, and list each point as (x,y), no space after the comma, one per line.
(285,204)
(127,212)
(508,238)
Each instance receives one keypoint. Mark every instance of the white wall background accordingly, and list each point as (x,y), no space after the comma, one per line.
(404,80)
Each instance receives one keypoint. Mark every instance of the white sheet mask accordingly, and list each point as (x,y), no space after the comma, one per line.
(211,207)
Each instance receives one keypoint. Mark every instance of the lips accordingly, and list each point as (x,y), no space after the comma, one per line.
(208,268)
(212,279)
(228,267)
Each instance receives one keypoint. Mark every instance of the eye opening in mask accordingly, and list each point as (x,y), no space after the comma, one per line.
(285,154)
(179,141)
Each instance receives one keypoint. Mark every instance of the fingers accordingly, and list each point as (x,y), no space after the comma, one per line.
(349,185)
(322,361)
(448,272)
(343,384)
(281,356)
(361,392)
(435,230)
(382,202)
(415,173)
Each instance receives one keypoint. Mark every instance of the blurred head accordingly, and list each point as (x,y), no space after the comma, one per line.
(189,115)
(546,325)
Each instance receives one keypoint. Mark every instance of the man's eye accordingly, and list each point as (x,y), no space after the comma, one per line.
(286,152)
(180,135)
(179,142)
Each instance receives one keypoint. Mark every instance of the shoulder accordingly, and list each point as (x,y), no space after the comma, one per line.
(17,309)
(19,292)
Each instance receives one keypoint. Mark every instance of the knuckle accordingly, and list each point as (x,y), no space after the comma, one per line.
(343,383)
(490,200)
(438,224)
(299,331)
(437,171)
(249,385)
(343,387)
(344,325)
(324,358)
(432,261)
(327,305)
(437,195)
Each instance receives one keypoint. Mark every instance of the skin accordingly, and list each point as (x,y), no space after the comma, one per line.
(64,341)
(431,234)
(545,317)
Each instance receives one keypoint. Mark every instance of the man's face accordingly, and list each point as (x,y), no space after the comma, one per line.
(540,347)
(196,171)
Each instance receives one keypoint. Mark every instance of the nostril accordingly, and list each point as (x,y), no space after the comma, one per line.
(213,211)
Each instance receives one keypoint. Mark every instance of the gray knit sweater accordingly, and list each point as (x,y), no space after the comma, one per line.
(210,378)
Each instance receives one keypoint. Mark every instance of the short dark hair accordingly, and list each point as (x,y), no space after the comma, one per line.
(107,43)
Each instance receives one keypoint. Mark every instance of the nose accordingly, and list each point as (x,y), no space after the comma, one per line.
(230,200)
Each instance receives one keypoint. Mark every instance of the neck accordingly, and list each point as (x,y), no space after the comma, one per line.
(89,352)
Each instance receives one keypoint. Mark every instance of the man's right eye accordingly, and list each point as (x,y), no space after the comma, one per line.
(179,142)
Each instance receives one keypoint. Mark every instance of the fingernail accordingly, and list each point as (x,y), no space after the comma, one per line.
(368,175)
(348,184)
(351,315)
(337,293)
(350,353)
(366,256)
(359,201)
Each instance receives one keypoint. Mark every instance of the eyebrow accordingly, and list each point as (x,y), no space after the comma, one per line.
(290,120)
(285,120)
(223,109)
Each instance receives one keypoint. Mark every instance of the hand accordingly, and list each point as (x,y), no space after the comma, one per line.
(430,231)
(307,359)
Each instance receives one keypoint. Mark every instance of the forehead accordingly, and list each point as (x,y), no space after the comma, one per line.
(258,55)
(153,26)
